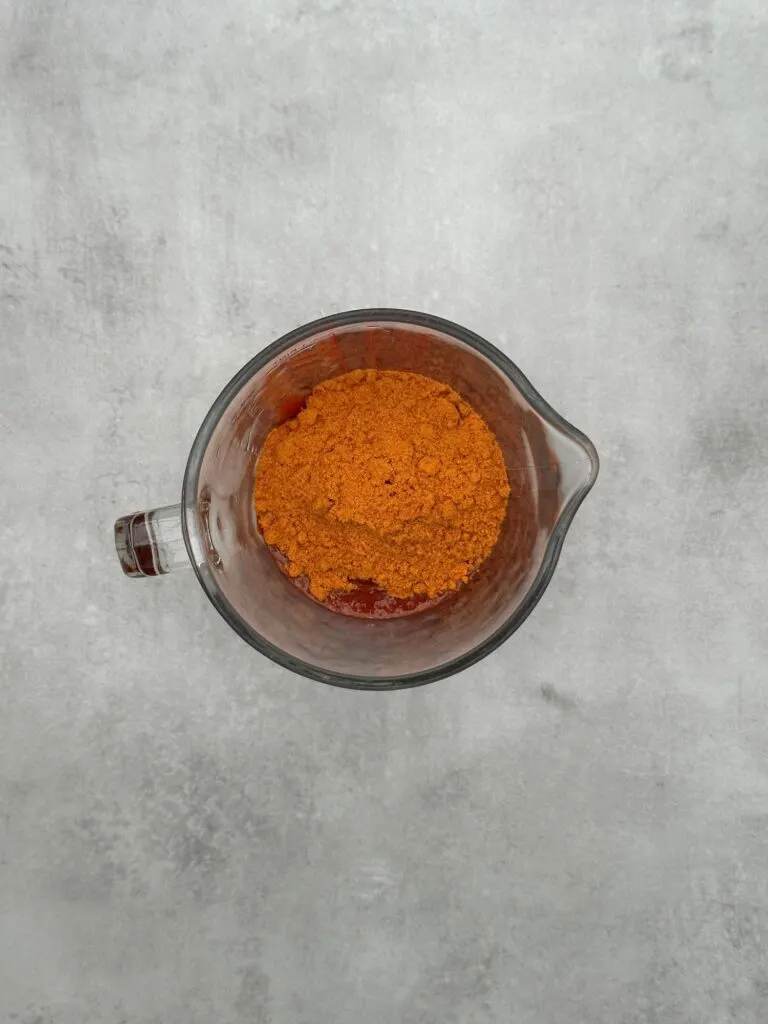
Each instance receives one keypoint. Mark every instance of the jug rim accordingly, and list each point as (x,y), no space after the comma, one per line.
(550,558)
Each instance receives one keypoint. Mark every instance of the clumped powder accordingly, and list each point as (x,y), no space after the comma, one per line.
(385,478)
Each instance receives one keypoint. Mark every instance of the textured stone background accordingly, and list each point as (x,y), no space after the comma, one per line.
(575,830)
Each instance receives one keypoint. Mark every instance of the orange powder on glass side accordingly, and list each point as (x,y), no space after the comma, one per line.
(385,478)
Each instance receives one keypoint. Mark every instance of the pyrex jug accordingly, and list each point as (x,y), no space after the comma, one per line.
(214,527)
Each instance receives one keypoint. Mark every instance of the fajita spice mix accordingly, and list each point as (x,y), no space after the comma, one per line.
(385,479)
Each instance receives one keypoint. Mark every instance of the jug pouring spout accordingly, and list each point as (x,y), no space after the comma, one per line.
(577,463)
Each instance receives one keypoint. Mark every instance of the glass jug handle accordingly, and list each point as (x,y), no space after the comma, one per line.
(151,543)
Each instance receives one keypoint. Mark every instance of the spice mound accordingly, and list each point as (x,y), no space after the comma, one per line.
(384,478)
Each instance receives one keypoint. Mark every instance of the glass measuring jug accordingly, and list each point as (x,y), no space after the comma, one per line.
(214,528)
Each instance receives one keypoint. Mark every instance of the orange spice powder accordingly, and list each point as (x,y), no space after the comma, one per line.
(385,478)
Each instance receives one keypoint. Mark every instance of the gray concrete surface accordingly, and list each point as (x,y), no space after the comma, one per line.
(575,830)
